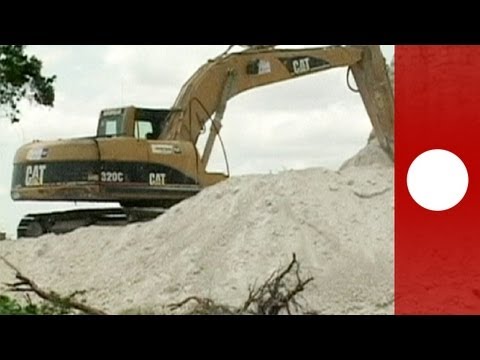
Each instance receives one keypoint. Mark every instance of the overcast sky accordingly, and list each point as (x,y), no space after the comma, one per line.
(309,122)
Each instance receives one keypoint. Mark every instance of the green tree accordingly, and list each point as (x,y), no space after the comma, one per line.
(9,306)
(21,78)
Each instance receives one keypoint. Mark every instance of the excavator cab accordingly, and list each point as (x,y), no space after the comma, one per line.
(112,123)
(142,124)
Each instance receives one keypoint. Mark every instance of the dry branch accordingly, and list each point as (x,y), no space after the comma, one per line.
(26,285)
(271,298)
(275,295)
(204,307)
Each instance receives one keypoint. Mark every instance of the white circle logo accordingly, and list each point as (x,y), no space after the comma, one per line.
(438,180)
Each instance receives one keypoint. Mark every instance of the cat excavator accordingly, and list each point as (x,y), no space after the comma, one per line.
(148,160)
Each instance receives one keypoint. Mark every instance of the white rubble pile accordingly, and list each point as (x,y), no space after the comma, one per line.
(217,244)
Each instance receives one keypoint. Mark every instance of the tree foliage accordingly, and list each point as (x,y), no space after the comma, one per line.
(9,306)
(21,78)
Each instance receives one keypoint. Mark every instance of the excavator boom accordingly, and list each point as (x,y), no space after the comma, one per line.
(209,89)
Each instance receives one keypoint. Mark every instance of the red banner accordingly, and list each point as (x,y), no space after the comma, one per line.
(437,251)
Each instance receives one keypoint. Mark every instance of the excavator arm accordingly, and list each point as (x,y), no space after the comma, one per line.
(207,92)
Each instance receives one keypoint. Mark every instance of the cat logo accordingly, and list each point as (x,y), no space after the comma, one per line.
(301,66)
(158,179)
(34,175)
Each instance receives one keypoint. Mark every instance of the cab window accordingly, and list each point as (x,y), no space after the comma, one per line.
(111,124)
(144,130)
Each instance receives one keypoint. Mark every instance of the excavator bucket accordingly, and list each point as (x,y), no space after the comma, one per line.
(374,85)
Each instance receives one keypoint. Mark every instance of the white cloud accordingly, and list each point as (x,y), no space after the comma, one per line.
(51,56)
(161,65)
(42,123)
(272,142)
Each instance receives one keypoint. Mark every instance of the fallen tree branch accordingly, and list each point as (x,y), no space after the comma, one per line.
(204,307)
(26,285)
(275,295)
(271,298)
(200,301)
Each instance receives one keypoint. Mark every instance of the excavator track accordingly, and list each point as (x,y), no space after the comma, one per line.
(36,225)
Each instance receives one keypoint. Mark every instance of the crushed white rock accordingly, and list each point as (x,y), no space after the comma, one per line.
(340,225)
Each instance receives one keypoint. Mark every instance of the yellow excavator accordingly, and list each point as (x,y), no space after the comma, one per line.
(148,160)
